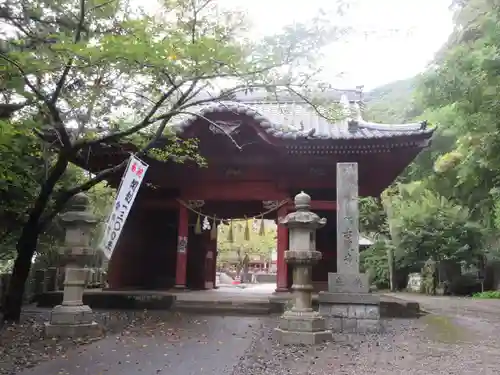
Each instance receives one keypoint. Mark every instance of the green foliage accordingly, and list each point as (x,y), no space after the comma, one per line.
(256,244)
(375,263)
(446,204)
(373,218)
(90,72)
(427,225)
(84,74)
(112,74)
(490,294)
(465,79)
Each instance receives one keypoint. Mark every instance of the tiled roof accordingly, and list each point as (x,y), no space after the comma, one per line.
(297,119)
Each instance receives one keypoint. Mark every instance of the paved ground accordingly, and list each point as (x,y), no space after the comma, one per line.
(482,316)
(461,337)
(455,306)
(248,292)
(186,346)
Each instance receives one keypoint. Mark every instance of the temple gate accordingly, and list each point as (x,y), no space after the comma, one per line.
(284,146)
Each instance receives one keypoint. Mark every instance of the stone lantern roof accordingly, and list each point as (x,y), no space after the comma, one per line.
(78,211)
(303,217)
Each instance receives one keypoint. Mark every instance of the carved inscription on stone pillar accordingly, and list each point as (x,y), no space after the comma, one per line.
(348,305)
(347,219)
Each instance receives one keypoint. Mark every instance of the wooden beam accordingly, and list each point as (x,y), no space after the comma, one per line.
(234,191)
(156,203)
(173,204)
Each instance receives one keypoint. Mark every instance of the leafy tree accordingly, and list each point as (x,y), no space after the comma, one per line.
(445,205)
(18,180)
(465,80)
(255,244)
(375,262)
(432,227)
(83,73)
(244,238)
(373,218)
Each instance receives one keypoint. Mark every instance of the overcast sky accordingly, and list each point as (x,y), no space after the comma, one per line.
(422,28)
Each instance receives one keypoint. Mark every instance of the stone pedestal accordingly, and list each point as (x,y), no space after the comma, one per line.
(72,321)
(301,324)
(72,318)
(348,306)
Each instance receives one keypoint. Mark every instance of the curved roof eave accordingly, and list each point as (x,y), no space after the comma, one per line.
(283,125)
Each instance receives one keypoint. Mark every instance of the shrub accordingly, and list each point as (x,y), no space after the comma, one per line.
(491,294)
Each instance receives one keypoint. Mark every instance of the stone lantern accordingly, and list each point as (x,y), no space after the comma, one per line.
(72,318)
(301,324)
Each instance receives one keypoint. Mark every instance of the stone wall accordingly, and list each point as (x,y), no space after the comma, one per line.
(349,313)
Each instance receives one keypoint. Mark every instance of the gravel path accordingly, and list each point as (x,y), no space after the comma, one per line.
(428,346)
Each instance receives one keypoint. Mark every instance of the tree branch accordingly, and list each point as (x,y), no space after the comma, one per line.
(134,129)
(65,196)
(46,191)
(215,125)
(8,109)
(57,122)
(24,75)
(69,64)
(98,6)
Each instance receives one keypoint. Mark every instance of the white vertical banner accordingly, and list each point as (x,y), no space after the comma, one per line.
(129,186)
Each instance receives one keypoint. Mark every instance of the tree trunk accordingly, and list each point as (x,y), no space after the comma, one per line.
(26,248)
(28,241)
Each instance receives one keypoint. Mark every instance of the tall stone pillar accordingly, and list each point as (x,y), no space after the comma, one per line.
(301,324)
(182,247)
(348,305)
(72,318)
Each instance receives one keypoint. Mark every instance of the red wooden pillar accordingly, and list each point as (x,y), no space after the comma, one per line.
(282,239)
(209,263)
(214,271)
(182,247)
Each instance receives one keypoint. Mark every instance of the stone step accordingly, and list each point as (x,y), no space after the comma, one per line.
(113,300)
(227,307)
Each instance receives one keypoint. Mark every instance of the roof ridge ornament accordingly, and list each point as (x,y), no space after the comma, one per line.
(225,127)
(352,125)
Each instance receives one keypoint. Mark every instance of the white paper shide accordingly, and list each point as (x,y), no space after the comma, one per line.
(131,182)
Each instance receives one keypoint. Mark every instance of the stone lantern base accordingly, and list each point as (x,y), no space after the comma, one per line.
(302,327)
(72,321)
(72,318)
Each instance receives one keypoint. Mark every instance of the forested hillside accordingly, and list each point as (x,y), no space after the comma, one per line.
(446,206)
(393,102)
